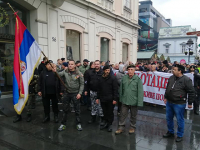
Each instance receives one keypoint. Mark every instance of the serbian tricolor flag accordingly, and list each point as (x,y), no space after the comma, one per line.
(26,57)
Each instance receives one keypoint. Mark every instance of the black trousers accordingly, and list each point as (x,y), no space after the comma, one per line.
(68,97)
(108,113)
(46,103)
(119,105)
(196,103)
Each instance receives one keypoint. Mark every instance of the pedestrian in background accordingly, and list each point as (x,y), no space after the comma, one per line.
(59,65)
(119,77)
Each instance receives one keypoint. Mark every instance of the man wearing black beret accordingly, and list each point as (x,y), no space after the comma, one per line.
(107,93)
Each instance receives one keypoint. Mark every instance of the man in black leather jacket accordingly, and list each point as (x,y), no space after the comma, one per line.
(178,87)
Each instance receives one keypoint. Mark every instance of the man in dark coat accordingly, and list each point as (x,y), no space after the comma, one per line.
(91,86)
(86,74)
(179,89)
(107,93)
(49,87)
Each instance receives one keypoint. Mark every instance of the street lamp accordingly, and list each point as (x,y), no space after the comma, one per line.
(190,45)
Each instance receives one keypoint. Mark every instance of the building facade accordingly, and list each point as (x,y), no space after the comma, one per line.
(172,43)
(151,21)
(75,29)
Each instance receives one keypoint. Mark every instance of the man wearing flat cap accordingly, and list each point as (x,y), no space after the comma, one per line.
(131,97)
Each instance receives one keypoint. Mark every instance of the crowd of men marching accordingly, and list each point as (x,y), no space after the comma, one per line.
(101,85)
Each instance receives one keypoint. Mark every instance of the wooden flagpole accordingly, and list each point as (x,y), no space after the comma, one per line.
(44,55)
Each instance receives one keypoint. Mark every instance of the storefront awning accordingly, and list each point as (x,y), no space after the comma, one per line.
(145,55)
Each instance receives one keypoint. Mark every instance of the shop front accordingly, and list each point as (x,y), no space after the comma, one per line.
(7,38)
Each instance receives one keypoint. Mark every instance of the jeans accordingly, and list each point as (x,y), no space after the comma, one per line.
(177,110)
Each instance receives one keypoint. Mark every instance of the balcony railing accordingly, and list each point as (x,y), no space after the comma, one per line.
(127,13)
(106,4)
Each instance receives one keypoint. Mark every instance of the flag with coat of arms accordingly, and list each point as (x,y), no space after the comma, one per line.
(26,58)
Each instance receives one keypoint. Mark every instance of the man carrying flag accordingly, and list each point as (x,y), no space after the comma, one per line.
(26,57)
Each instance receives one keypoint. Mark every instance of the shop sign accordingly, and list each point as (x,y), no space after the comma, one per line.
(7,36)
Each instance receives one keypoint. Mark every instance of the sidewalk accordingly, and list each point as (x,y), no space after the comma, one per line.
(151,125)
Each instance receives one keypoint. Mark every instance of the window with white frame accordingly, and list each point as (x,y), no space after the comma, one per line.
(183,47)
(127,3)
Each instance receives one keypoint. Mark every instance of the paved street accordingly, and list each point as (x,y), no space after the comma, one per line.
(151,125)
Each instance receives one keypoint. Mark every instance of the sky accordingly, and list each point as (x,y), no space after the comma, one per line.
(182,12)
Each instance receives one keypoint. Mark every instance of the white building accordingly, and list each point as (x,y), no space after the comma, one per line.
(74,29)
(92,29)
(172,42)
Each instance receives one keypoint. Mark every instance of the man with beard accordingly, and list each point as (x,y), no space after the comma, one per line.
(74,82)
(107,93)
(78,63)
(85,66)
(145,67)
(92,86)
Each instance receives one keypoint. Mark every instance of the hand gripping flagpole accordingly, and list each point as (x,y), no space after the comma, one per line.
(44,55)
(55,72)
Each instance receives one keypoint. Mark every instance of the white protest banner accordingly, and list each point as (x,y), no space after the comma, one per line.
(154,85)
